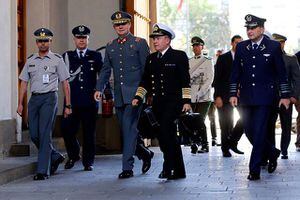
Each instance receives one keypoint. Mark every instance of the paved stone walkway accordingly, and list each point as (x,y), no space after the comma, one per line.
(209,176)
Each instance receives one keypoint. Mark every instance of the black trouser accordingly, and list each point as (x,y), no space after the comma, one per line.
(202,108)
(70,126)
(167,110)
(226,124)
(141,151)
(212,120)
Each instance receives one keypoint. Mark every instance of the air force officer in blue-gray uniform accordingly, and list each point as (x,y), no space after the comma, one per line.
(126,55)
(44,70)
(259,73)
(84,66)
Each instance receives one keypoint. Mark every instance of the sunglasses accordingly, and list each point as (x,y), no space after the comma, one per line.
(41,41)
(121,24)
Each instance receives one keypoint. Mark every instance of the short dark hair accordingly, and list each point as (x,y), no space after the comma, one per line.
(235,37)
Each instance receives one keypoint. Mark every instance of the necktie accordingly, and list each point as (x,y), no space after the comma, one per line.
(159,55)
(81,54)
(254,46)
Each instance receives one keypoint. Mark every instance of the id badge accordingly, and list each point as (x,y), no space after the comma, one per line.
(46,79)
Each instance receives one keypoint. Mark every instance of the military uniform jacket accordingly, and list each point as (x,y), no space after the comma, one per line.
(84,74)
(293,73)
(259,73)
(44,73)
(202,76)
(166,77)
(128,62)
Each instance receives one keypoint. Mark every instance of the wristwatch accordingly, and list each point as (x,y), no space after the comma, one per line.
(69,106)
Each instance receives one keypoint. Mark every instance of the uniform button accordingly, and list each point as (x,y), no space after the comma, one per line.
(120,48)
(152,81)
(121,69)
(253,75)
(152,75)
(81,80)
(80,65)
(153,88)
(121,83)
(71,71)
(81,72)
(253,57)
(253,84)
(120,55)
(272,86)
(81,87)
(153,94)
(161,74)
(161,81)
(121,76)
(163,94)
(162,87)
(253,66)
(121,62)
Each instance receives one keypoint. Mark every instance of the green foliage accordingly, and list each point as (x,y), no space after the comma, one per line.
(197,17)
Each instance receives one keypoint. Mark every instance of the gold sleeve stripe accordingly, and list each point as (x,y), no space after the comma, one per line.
(186,93)
(141,92)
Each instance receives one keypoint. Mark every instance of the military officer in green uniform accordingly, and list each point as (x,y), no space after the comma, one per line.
(44,70)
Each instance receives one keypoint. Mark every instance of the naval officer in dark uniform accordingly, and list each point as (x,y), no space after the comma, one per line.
(166,79)
(84,66)
(44,70)
(259,72)
(126,55)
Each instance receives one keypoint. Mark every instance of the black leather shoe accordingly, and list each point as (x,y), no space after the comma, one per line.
(163,174)
(226,154)
(126,174)
(40,177)
(194,148)
(273,162)
(88,168)
(54,164)
(214,143)
(284,157)
(236,150)
(173,175)
(204,149)
(70,163)
(147,163)
(253,177)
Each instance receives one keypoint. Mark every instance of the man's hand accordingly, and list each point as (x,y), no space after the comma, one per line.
(20,109)
(233,101)
(135,102)
(219,102)
(98,96)
(293,100)
(67,112)
(186,107)
(285,102)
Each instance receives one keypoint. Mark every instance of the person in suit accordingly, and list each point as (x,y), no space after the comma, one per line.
(44,70)
(166,79)
(258,72)
(126,55)
(230,135)
(297,106)
(84,66)
(285,115)
(202,75)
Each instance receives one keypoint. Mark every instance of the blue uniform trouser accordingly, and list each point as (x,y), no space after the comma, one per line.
(255,119)
(41,115)
(128,119)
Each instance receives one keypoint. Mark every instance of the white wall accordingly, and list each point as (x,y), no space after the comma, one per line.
(8,66)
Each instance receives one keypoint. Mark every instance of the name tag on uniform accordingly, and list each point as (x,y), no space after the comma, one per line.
(46,79)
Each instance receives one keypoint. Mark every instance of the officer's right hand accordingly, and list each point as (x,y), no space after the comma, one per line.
(233,101)
(135,102)
(97,96)
(20,110)
(219,102)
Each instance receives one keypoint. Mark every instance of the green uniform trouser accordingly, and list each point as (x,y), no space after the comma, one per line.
(202,108)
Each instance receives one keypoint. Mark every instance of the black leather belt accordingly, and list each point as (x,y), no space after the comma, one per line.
(36,93)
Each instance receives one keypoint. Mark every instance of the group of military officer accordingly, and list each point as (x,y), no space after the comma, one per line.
(164,78)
